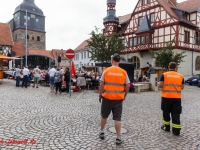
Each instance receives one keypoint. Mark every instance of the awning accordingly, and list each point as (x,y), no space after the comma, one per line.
(3,57)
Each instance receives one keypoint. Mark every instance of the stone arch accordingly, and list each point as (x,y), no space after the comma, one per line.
(136,61)
(197,63)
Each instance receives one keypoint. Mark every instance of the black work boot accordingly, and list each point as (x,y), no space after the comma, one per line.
(165,128)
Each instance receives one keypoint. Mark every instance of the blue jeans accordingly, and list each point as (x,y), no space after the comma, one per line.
(17,81)
(67,86)
(25,81)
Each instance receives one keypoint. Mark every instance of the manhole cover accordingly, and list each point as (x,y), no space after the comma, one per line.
(112,129)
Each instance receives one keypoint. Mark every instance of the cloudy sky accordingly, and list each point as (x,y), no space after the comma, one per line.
(69,22)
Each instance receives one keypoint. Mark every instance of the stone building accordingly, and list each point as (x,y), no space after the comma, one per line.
(27,14)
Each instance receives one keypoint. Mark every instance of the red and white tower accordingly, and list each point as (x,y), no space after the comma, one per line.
(110,21)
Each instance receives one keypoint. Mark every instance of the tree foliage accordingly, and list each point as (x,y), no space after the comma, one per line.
(166,55)
(102,47)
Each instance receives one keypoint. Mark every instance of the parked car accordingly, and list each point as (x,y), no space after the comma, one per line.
(199,83)
(193,80)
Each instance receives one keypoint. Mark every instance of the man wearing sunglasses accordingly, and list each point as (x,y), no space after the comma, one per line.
(114,87)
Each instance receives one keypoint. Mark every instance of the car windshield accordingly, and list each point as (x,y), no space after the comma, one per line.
(196,76)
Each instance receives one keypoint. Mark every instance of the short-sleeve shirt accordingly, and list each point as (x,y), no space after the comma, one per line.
(17,71)
(127,78)
(52,72)
(37,71)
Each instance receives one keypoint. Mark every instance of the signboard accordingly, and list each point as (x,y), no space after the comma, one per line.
(70,54)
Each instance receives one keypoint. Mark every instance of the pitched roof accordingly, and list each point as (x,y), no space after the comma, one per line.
(18,49)
(82,45)
(168,7)
(145,26)
(5,34)
(125,18)
(62,53)
(189,5)
(40,52)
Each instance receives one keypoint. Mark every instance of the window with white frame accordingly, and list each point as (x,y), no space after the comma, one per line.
(85,55)
(136,62)
(140,19)
(130,42)
(152,17)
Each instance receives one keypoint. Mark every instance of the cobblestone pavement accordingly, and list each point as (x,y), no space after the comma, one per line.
(60,122)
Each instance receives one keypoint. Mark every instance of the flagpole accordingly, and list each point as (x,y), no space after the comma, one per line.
(26,39)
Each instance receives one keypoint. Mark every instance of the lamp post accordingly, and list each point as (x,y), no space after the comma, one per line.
(26,40)
(127,53)
(195,38)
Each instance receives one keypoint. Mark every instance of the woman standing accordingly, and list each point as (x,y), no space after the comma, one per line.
(58,80)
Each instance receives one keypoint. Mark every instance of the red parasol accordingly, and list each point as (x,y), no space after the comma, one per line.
(72,68)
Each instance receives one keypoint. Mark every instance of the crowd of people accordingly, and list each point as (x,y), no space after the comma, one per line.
(57,78)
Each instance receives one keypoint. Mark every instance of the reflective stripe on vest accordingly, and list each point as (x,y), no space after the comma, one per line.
(114,83)
(172,85)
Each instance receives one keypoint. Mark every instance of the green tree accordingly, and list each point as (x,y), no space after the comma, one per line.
(102,47)
(166,55)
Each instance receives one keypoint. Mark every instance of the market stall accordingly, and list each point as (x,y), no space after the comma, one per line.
(2,59)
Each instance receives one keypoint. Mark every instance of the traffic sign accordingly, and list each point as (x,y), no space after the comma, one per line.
(70,54)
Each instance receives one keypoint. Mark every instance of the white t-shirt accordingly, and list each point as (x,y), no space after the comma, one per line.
(37,72)
(52,72)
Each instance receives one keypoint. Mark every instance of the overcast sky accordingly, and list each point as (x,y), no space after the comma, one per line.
(69,22)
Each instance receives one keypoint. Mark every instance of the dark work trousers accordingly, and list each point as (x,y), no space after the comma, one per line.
(58,86)
(67,86)
(173,106)
(17,81)
(25,81)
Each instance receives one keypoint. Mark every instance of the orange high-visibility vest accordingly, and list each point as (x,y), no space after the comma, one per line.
(172,85)
(114,83)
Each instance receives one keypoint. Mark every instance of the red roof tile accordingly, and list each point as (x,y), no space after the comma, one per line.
(167,5)
(125,18)
(55,53)
(18,49)
(5,34)
(82,45)
(189,5)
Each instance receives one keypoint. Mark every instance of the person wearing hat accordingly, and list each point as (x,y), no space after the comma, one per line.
(113,89)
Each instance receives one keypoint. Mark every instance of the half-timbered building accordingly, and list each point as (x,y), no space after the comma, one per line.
(154,22)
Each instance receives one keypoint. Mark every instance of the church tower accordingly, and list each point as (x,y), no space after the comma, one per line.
(110,21)
(36,38)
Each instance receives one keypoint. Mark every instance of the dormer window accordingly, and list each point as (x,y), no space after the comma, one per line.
(140,21)
(143,2)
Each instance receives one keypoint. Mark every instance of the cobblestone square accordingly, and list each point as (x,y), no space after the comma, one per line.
(51,121)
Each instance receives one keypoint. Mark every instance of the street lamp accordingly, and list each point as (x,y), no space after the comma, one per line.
(126,53)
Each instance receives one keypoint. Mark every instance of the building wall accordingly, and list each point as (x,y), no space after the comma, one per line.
(82,58)
(19,36)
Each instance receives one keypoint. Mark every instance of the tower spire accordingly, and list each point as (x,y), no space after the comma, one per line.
(110,21)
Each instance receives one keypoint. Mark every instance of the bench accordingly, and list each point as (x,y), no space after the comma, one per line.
(141,86)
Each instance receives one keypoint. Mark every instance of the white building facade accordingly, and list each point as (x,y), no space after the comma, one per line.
(82,56)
